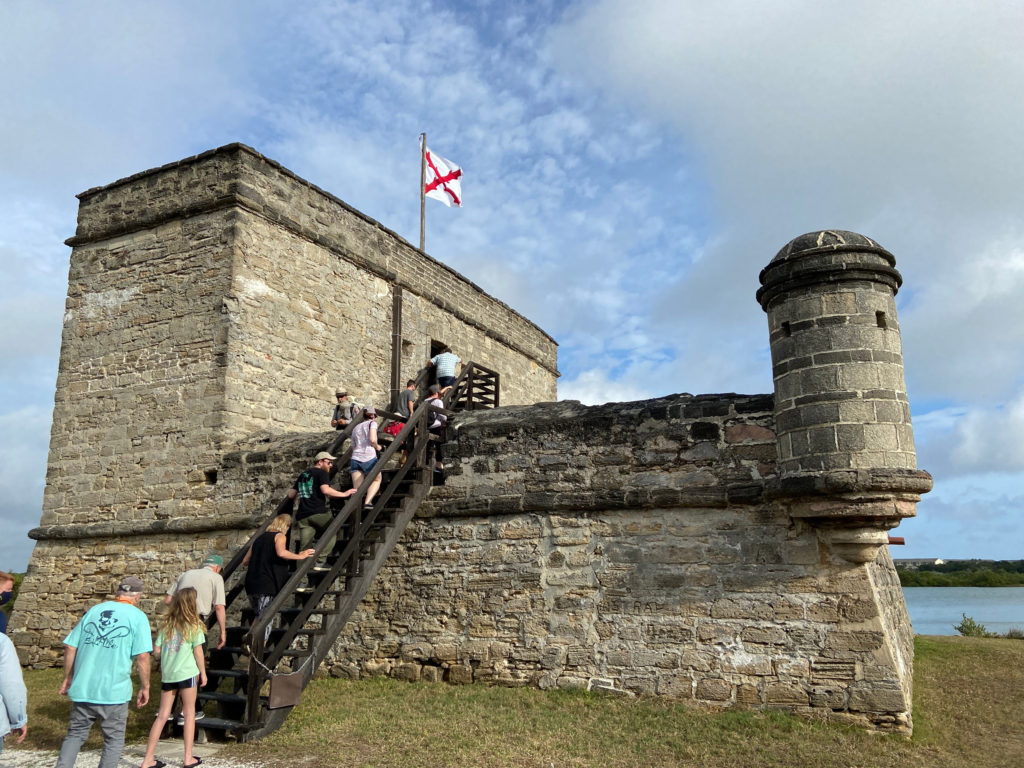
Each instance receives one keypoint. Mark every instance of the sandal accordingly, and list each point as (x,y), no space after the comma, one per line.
(198,761)
(158,764)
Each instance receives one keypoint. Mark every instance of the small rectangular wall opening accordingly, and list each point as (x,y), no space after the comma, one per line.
(786,329)
(880,319)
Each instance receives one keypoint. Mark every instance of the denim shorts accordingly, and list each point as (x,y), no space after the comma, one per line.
(362,466)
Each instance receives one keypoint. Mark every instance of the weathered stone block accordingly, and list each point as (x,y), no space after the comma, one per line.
(746,664)
(459,674)
(785,695)
(375,667)
(855,640)
(878,699)
(409,671)
(714,689)
(748,695)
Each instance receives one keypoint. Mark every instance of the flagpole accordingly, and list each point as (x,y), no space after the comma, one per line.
(423,186)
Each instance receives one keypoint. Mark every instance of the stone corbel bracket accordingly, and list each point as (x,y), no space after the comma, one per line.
(852,510)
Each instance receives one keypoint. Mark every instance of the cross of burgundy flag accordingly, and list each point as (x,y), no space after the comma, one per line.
(442,180)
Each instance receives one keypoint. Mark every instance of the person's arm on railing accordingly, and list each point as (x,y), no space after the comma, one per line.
(281,548)
(328,491)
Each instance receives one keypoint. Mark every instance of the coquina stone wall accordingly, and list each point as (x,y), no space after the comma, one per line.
(728,549)
(209,300)
(628,546)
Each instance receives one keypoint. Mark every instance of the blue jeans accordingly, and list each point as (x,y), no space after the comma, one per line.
(113,720)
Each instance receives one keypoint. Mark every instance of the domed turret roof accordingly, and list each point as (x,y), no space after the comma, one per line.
(829,241)
(824,259)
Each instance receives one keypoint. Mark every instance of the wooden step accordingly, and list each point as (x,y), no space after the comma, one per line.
(348,586)
(222,698)
(219,724)
(239,673)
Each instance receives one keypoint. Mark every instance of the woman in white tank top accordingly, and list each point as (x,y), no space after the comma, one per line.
(364,454)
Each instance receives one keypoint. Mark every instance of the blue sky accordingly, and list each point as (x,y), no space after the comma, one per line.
(629,167)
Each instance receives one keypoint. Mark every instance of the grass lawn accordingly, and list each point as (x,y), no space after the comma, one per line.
(968,700)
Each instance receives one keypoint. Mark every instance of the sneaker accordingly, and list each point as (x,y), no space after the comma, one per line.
(181,717)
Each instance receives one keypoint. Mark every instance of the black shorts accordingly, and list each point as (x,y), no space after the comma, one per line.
(191,682)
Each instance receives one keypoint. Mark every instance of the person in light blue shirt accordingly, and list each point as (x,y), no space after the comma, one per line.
(98,655)
(13,696)
(445,363)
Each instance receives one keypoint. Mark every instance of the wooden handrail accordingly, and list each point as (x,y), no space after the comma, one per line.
(283,506)
(476,384)
(352,509)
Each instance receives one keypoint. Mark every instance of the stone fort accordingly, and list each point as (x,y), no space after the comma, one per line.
(727,549)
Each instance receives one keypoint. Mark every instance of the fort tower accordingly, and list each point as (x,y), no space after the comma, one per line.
(845,443)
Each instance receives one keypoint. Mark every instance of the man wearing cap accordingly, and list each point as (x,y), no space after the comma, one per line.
(209,587)
(98,655)
(342,411)
(313,487)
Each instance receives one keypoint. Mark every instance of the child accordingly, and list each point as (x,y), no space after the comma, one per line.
(182,670)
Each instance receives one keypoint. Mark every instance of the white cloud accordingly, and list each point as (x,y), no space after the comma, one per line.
(628,171)
(26,435)
(963,331)
(970,441)
(594,388)
(974,516)
(900,122)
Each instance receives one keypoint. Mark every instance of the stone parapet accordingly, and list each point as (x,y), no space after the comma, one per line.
(629,546)
(678,451)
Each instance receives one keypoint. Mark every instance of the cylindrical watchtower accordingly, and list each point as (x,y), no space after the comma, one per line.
(845,444)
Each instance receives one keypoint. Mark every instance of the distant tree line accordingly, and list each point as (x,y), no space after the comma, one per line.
(964,573)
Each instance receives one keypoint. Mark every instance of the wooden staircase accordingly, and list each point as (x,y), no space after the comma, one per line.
(323,591)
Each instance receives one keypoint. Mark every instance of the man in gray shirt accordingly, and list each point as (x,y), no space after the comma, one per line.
(209,587)
(407,399)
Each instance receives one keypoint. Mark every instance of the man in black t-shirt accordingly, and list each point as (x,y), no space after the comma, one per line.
(313,487)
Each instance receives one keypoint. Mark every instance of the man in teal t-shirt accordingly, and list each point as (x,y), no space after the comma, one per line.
(98,655)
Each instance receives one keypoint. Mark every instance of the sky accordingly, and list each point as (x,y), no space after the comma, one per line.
(629,168)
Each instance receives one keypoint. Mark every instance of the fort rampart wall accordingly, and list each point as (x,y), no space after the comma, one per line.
(728,549)
(630,546)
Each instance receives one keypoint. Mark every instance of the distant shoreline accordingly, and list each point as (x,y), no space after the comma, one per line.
(960,573)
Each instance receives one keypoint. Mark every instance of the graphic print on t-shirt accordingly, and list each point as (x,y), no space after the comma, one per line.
(104,632)
(304,485)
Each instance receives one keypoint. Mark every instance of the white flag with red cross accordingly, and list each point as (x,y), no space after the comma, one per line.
(443,180)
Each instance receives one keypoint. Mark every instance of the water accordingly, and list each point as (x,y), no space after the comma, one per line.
(934,610)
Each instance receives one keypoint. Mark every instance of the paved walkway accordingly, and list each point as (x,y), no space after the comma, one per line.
(169,750)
